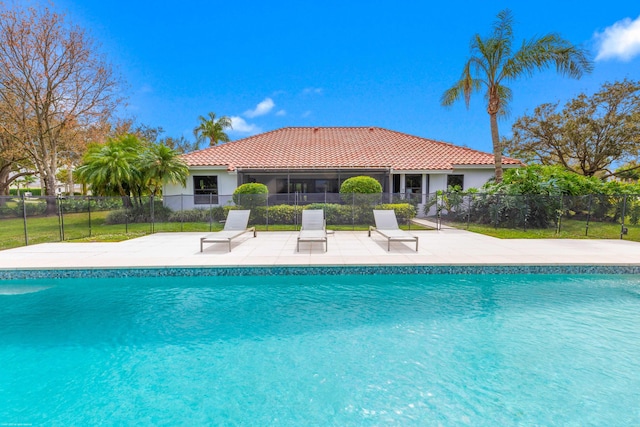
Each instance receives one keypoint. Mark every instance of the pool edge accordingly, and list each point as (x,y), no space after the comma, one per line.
(312,270)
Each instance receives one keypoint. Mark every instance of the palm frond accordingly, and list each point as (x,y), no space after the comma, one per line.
(546,51)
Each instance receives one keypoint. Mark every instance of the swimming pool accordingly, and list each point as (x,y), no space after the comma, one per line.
(322,350)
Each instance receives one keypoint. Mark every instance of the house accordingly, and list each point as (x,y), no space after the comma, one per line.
(316,160)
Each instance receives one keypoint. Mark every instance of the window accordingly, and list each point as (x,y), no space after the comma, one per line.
(455,180)
(205,190)
(413,184)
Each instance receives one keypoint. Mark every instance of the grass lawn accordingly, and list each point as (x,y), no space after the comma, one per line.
(76,228)
(569,229)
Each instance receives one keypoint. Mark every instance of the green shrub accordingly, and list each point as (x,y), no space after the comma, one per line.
(361,185)
(214,214)
(361,190)
(34,191)
(251,195)
(283,214)
(33,208)
(193,215)
(139,214)
(335,214)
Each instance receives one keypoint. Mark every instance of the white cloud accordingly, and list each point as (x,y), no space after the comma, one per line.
(306,113)
(621,40)
(281,113)
(239,125)
(261,109)
(312,91)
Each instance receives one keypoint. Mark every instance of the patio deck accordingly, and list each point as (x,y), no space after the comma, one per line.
(444,247)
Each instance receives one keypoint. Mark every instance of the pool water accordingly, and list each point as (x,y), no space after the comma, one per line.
(402,350)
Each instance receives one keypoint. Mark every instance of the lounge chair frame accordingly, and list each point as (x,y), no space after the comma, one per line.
(313,229)
(234,226)
(387,226)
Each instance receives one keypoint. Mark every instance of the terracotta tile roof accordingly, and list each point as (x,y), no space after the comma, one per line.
(339,147)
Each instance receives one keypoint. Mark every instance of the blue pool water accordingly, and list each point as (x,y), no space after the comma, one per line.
(402,350)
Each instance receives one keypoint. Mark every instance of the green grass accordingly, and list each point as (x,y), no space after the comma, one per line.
(76,228)
(569,229)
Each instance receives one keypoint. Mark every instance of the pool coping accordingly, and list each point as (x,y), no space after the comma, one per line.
(312,270)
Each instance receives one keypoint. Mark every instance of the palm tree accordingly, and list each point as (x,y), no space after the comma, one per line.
(213,129)
(493,63)
(112,166)
(160,165)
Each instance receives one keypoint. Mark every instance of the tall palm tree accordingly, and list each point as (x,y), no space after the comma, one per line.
(160,165)
(213,129)
(493,62)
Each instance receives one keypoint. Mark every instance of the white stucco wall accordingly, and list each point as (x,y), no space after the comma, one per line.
(474,178)
(177,197)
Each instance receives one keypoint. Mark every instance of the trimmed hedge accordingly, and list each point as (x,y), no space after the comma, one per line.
(251,195)
(361,185)
(139,214)
(357,214)
(34,191)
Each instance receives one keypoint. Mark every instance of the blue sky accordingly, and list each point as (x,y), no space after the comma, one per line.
(339,63)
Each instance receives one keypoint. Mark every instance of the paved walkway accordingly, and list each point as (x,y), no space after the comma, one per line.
(444,247)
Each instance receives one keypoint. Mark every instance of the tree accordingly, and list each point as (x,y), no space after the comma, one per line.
(160,165)
(588,136)
(14,162)
(131,167)
(112,167)
(181,145)
(55,83)
(493,63)
(213,129)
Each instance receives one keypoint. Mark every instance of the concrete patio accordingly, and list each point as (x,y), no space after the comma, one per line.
(444,247)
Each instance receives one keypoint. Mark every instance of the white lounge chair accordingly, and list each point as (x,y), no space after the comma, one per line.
(234,226)
(313,227)
(387,225)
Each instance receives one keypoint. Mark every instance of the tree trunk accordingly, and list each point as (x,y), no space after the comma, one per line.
(50,192)
(497,148)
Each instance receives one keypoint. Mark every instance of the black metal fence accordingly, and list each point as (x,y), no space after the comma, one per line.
(594,215)
(29,220)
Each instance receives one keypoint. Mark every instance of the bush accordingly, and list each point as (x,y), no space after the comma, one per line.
(251,195)
(34,191)
(283,214)
(361,185)
(334,213)
(33,208)
(139,214)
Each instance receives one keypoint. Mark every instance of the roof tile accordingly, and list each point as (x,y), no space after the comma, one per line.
(339,147)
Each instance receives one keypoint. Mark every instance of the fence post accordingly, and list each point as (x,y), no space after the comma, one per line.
(152,211)
(89,212)
(210,210)
(559,214)
(586,230)
(60,218)
(353,211)
(24,215)
(623,229)
(526,211)
(182,211)
(470,199)
(266,215)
